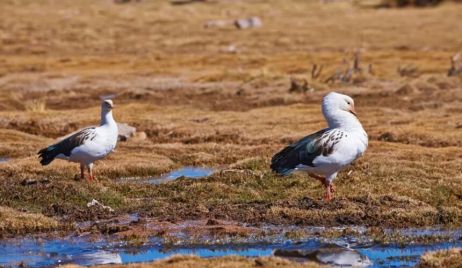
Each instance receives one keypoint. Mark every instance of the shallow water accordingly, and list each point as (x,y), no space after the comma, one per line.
(36,253)
(188,172)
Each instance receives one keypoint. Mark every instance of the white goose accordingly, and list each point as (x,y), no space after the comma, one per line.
(87,145)
(329,150)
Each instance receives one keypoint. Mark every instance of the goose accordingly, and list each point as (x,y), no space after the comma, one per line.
(86,145)
(326,152)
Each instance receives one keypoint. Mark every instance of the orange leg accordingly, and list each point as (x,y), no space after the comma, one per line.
(330,189)
(329,192)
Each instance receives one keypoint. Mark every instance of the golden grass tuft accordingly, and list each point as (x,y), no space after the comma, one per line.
(15,222)
(36,106)
(451,258)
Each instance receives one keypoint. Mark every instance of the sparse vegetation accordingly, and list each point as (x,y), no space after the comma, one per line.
(36,106)
(203,107)
(14,222)
(451,258)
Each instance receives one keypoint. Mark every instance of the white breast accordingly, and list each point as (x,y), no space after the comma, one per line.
(348,149)
(103,144)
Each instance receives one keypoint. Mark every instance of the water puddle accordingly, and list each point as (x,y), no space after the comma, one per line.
(186,172)
(82,251)
(4,159)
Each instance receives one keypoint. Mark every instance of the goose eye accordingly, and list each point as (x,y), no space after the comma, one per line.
(348,103)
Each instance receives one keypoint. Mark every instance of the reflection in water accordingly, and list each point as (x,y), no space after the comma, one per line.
(399,256)
(188,172)
(84,252)
(100,257)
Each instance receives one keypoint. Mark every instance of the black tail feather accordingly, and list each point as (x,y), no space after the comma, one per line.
(47,155)
(66,145)
(298,153)
(281,162)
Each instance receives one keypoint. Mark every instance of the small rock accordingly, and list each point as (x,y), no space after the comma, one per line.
(408,71)
(125,131)
(217,23)
(229,49)
(140,136)
(185,2)
(125,1)
(96,203)
(28,182)
(406,89)
(387,136)
(253,22)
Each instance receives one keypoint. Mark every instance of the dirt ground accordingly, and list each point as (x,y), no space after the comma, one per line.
(219,97)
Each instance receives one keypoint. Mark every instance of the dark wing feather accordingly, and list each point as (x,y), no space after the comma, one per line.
(66,145)
(305,151)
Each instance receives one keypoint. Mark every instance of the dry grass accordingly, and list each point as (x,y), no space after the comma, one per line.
(451,258)
(16,222)
(35,106)
(202,106)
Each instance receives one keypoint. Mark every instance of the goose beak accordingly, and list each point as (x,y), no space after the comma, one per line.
(352,110)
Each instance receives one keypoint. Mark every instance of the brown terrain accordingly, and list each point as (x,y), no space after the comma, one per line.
(226,98)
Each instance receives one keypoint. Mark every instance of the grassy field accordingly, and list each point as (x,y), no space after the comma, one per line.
(219,97)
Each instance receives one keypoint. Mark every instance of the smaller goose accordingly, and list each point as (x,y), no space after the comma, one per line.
(87,145)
